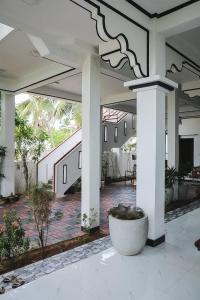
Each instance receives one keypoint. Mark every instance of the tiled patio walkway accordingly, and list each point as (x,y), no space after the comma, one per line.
(64,222)
(170,271)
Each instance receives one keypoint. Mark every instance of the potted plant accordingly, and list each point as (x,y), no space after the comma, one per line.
(182,184)
(128,229)
(170,177)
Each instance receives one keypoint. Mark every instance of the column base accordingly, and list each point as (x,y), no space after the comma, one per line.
(154,243)
(91,230)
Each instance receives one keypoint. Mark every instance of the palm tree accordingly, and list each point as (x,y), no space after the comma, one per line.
(50,114)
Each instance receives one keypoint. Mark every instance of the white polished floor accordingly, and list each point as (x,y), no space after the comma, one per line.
(170,271)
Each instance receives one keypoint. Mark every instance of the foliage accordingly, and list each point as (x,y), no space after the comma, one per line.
(123,212)
(2,157)
(110,166)
(58,136)
(170,176)
(2,151)
(41,200)
(53,116)
(130,145)
(88,221)
(28,144)
(57,215)
(12,237)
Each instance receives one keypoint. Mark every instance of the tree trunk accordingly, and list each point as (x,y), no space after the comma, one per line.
(25,171)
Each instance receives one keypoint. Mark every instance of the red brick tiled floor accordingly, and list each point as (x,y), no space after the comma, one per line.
(67,225)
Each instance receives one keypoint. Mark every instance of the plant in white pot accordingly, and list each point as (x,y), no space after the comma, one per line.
(170,177)
(128,229)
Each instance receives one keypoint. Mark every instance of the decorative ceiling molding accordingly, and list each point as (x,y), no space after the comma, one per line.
(163,13)
(119,47)
(177,61)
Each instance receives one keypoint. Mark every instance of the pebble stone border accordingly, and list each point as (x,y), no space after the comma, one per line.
(59,261)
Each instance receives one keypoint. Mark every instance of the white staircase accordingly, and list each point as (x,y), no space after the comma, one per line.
(63,164)
(45,167)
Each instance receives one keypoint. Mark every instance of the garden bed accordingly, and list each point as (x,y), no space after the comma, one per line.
(179,203)
(36,254)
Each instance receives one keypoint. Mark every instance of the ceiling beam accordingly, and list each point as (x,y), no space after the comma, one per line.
(56,93)
(182,20)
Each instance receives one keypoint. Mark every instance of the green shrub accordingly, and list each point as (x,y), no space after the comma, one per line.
(170,177)
(123,212)
(41,198)
(12,237)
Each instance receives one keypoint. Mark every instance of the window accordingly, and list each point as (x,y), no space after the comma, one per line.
(125,128)
(116,135)
(105,133)
(64,174)
(133,121)
(80,159)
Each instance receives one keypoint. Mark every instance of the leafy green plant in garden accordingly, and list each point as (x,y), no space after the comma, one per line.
(28,144)
(2,157)
(12,237)
(170,176)
(41,200)
(58,118)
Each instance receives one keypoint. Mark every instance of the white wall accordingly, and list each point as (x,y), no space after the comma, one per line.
(118,162)
(122,139)
(190,128)
(19,176)
(73,171)
(46,164)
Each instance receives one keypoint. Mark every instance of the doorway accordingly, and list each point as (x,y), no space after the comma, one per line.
(186,153)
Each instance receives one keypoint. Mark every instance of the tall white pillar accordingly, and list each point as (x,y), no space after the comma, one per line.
(150,196)
(7,132)
(173,129)
(90,202)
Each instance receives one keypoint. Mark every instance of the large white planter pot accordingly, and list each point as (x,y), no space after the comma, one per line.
(169,195)
(128,236)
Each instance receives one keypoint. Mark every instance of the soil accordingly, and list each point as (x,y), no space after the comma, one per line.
(179,203)
(37,254)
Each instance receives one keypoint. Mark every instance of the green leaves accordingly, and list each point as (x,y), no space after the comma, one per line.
(12,237)
(41,197)
(28,144)
(170,176)
(52,116)
(123,212)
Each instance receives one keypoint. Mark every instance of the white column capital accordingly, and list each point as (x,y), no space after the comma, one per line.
(152,82)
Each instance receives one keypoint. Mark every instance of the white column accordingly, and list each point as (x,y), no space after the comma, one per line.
(101,144)
(173,129)
(151,157)
(90,202)
(150,192)
(7,131)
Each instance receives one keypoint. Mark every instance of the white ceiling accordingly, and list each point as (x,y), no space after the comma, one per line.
(109,85)
(158,6)
(64,29)
(63,20)
(17,56)
(188,42)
